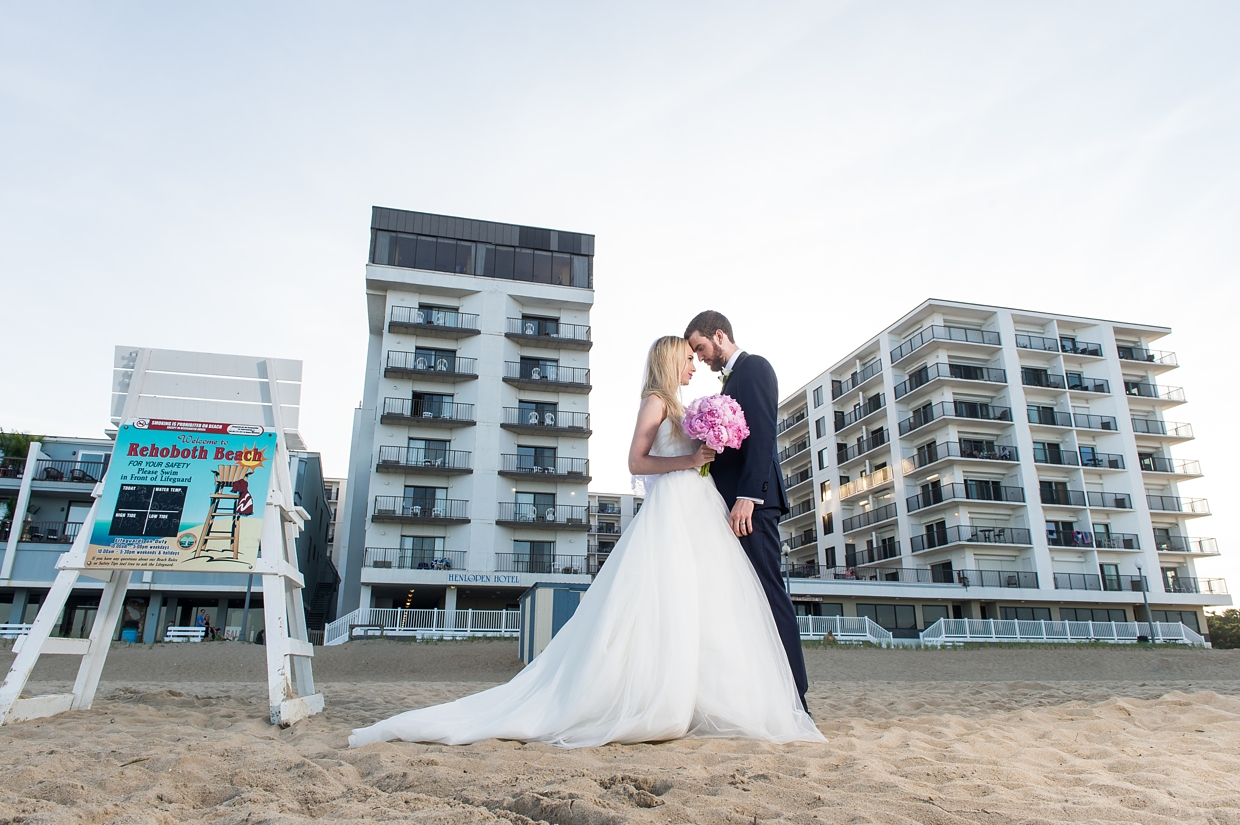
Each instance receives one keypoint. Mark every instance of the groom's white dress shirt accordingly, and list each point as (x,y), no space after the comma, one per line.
(728,369)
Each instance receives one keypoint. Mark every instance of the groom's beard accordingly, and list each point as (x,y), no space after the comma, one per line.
(715,358)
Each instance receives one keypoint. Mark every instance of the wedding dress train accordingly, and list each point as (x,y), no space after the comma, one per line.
(673,639)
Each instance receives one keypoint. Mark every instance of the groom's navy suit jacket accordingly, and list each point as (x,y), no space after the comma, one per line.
(753,470)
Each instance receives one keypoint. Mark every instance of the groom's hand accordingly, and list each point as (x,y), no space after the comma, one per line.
(741,517)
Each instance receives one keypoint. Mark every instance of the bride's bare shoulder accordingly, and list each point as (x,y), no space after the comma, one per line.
(652,409)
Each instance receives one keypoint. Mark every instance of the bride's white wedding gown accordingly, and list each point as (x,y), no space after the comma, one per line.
(674,638)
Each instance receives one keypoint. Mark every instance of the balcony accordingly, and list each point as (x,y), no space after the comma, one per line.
(1082,384)
(606,508)
(973,410)
(1176,504)
(1069,346)
(1093,581)
(420,510)
(448,370)
(438,322)
(1117,541)
(12,467)
(1170,466)
(399,558)
(855,380)
(1058,497)
(957,335)
(549,333)
(419,460)
(443,414)
(557,517)
(1020,579)
(605,529)
(1187,584)
(1153,392)
(869,518)
(929,454)
(967,491)
(559,422)
(516,465)
(539,563)
(845,420)
(800,570)
(958,372)
(794,449)
(43,532)
(1155,427)
(798,478)
(804,539)
(1100,500)
(843,454)
(1182,544)
(1095,422)
(1148,356)
(883,551)
(1044,417)
(74,472)
(1040,379)
(970,534)
(866,482)
(792,420)
(1101,461)
(1054,454)
(798,509)
(549,377)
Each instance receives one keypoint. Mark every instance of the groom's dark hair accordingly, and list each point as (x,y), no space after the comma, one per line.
(705,324)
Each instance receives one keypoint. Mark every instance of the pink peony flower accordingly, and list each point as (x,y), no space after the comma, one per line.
(718,421)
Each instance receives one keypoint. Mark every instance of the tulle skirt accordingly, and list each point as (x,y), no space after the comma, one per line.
(673,639)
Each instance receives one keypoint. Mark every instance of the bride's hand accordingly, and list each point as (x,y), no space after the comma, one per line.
(704,455)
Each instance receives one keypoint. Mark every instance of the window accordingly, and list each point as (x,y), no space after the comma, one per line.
(425,498)
(1026,614)
(890,616)
(419,552)
(817,397)
(820,428)
(822,459)
(983,490)
(1094,614)
(536,459)
(942,573)
(1186,617)
(1110,576)
(540,369)
(936,534)
(535,507)
(931,613)
(427,451)
(533,325)
(534,556)
(537,412)
(425,358)
(828,525)
(432,405)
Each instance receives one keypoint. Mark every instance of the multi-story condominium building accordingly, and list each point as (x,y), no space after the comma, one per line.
(469,467)
(333,493)
(981,462)
(46,496)
(610,515)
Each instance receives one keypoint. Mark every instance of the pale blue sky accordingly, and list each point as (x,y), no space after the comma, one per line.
(201,178)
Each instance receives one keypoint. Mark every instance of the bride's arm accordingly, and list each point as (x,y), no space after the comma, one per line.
(641,463)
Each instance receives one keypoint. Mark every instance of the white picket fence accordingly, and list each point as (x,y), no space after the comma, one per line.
(959,631)
(421,623)
(844,629)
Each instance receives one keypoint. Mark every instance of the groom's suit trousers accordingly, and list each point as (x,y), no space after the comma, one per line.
(762,547)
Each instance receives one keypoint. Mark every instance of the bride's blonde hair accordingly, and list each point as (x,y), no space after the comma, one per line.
(663,366)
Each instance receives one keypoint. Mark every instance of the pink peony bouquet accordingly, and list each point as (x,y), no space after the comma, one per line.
(718,421)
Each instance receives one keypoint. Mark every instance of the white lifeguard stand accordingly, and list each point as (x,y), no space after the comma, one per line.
(190,386)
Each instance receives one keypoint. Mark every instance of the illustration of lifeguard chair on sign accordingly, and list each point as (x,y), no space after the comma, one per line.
(225,511)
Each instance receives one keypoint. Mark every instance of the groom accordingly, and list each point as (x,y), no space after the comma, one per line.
(749,479)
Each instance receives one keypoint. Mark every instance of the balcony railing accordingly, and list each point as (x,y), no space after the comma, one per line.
(1095,422)
(1153,426)
(961,372)
(78,472)
(1093,581)
(883,551)
(399,558)
(799,509)
(1176,504)
(1049,418)
(557,420)
(973,410)
(1063,498)
(1142,389)
(11,467)
(793,449)
(441,366)
(871,406)
(606,508)
(540,563)
(566,515)
(605,529)
(866,482)
(868,518)
(548,373)
(517,464)
(1024,580)
(1188,584)
(555,332)
(926,575)
(43,532)
(1067,345)
(932,453)
(1163,464)
(855,380)
(804,539)
(433,318)
(792,420)
(1044,380)
(845,454)
(1117,541)
(1088,384)
(969,534)
(425,459)
(421,509)
(800,570)
(798,478)
(1148,356)
(944,333)
(1182,544)
(1057,455)
(970,492)
(428,411)
(1114,501)
(1105,461)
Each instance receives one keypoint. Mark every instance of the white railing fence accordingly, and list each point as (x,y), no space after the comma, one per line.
(395,621)
(844,629)
(956,631)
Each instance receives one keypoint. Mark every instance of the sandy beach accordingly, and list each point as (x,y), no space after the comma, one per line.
(1091,734)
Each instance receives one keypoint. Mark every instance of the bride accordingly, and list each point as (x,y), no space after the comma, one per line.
(673,639)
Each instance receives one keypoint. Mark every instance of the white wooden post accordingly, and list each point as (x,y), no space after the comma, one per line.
(17,518)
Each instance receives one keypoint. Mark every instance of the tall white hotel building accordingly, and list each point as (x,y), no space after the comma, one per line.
(470,463)
(980,462)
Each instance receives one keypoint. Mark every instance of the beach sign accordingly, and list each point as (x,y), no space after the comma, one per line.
(181,496)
